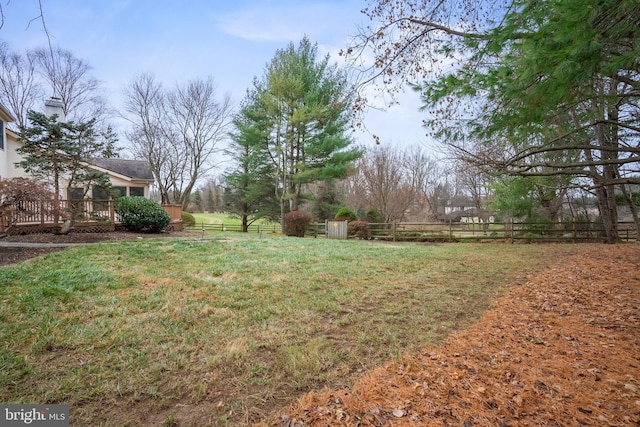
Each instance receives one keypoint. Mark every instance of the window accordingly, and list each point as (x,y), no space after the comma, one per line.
(1,135)
(117,192)
(75,201)
(99,194)
(136,191)
(76,193)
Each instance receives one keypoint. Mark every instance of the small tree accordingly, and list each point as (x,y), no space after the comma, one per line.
(296,223)
(54,151)
(21,196)
(346,213)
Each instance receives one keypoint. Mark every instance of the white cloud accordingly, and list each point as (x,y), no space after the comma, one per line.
(284,22)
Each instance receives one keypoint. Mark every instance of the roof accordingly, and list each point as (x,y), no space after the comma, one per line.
(6,114)
(134,169)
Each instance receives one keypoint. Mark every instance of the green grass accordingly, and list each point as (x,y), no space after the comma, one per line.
(221,218)
(215,218)
(122,330)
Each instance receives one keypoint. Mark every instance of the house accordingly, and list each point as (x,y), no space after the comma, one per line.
(128,177)
(9,142)
(93,211)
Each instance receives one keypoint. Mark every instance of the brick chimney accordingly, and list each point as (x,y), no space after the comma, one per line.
(53,106)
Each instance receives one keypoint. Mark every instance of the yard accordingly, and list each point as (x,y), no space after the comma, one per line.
(235,329)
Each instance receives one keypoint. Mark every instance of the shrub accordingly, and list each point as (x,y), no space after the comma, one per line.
(359,229)
(346,213)
(296,223)
(373,215)
(188,220)
(140,214)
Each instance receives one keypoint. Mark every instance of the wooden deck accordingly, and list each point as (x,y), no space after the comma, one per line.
(88,216)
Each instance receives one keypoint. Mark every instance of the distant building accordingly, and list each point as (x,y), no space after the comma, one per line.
(128,177)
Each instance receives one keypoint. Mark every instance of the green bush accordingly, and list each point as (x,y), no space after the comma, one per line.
(346,213)
(373,215)
(359,229)
(296,223)
(140,214)
(188,220)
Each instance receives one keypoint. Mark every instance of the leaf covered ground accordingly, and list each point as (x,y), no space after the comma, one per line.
(561,350)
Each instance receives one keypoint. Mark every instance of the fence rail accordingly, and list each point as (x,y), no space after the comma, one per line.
(452,231)
(512,231)
(253,228)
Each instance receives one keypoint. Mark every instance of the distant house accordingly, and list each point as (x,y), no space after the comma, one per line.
(9,142)
(463,209)
(128,177)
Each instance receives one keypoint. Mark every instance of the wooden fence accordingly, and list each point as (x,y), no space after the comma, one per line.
(253,228)
(458,231)
(512,231)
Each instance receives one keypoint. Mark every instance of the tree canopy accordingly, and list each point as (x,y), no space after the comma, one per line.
(177,131)
(528,88)
(295,120)
(60,151)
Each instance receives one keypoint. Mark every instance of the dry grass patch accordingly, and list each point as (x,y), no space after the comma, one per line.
(141,332)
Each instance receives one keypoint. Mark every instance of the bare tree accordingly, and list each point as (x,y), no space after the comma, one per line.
(381,183)
(177,131)
(200,120)
(20,89)
(144,107)
(70,80)
(425,176)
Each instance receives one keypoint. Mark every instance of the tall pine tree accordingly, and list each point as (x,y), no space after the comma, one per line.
(296,124)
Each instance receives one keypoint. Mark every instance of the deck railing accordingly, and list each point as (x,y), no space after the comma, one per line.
(87,214)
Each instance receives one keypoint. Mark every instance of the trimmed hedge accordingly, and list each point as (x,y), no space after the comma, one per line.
(346,213)
(140,214)
(359,229)
(188,220)
(296,223)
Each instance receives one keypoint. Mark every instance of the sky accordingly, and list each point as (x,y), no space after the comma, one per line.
(176,41)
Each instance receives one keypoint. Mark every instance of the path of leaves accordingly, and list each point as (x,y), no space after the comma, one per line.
(561,350)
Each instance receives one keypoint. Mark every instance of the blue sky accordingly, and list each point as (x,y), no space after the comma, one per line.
(231,41)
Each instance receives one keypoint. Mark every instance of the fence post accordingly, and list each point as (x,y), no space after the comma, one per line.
(575,231)
(394,231)
(511,231)
(450,230)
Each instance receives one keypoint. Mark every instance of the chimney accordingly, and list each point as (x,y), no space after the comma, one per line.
(53,106)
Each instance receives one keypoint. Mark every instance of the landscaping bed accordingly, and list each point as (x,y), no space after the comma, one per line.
(562,349)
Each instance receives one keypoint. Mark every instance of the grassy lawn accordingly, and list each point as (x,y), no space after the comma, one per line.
(222,218)
(215,218)
(243,324)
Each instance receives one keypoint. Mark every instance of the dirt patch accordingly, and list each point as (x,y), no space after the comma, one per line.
(562,349)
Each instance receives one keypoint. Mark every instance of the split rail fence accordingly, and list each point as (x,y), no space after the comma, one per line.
(455,231)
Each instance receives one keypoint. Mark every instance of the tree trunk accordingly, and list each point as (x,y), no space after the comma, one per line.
(634,211)
(245,222)
(608,213)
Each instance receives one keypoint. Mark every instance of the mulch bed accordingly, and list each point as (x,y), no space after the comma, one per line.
(561,350)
